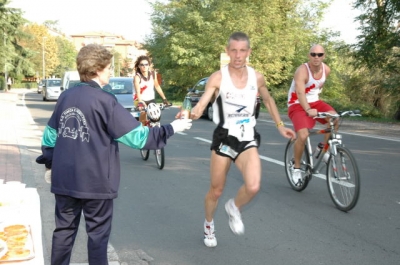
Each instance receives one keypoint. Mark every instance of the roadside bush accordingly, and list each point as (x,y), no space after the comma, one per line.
(28,85)
(2,82)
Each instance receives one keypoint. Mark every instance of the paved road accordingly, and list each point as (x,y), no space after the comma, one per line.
(159,214)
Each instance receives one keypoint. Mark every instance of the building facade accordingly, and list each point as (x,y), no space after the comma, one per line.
(128,49)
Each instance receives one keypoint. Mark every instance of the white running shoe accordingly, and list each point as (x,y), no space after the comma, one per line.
(235,219)
(326,157)
(209,236)
(296,176)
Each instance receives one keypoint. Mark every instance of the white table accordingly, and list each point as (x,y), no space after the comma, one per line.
(27,211)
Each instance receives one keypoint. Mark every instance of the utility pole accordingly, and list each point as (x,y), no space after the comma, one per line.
(43,57)
(5,64)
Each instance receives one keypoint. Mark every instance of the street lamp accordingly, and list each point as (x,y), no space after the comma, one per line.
(44,64)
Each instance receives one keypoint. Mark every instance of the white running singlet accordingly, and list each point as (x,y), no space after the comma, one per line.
(313,88)
(148,92)
(234,107)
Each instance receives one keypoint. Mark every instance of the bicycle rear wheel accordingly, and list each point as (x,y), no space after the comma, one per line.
(160,157)
(145,154)
(343,179)
(289,162)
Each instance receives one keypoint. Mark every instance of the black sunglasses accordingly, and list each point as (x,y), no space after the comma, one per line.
(144,64)
(313,54)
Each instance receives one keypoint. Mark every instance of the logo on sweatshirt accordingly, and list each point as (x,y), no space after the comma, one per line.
(73,125)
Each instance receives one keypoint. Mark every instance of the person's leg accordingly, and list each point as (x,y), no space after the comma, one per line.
(249,164)
(219,166)
(301,123)
(299,144)
(67,218)
(98,216)
(322,106)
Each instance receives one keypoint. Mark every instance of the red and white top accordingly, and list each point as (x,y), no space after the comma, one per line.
(313,88)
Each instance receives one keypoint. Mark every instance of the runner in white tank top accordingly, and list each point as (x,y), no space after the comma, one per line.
(234,107)
(234,88)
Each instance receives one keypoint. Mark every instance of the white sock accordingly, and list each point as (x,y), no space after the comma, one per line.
(234,205)
(206,223)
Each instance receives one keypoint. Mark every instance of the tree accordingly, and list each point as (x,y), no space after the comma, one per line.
(66,56)
(42,42)
(13,55)
(126,68)
(377,49)
(189,36)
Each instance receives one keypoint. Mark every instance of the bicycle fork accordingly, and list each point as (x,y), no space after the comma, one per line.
(333,143)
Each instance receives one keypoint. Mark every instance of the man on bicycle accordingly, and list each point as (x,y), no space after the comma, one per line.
(304,102)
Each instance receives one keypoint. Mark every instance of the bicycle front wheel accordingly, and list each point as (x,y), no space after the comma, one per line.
(145,154)
(343,179)
(160,158)
(289,163)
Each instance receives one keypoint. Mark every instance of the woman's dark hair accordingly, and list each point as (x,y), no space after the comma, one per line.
(138,60)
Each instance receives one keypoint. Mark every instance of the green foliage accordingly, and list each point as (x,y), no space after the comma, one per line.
(126,68)
(13,56)
(189,37)
(377,54)
(66,56)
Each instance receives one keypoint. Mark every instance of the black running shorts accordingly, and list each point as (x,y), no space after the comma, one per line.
(229,146)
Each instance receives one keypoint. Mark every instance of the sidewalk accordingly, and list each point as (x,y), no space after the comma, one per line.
(20,144)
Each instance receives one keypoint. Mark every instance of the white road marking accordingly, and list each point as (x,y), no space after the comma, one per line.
(268,159)
(355,134)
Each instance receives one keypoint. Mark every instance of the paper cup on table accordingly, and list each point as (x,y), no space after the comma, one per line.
(1,181)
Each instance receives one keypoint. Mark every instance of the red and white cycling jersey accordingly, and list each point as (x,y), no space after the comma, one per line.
(313,88)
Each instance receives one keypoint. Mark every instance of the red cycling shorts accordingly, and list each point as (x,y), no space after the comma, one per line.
(300,119)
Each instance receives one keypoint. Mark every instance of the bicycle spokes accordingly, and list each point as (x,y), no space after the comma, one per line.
(343,179)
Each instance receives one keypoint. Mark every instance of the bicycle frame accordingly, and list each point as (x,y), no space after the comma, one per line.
(334,140)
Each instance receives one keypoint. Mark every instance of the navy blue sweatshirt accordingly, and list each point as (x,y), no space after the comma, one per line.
(80,142)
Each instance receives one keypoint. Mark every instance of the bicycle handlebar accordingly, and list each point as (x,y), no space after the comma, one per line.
(162,106)
(352,113)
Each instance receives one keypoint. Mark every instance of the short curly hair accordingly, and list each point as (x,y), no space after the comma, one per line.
(92,58)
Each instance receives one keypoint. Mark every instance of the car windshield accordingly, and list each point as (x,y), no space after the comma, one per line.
(119,87)
(54,83)
(72,83)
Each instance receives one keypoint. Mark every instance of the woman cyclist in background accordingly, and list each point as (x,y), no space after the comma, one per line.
(145,81)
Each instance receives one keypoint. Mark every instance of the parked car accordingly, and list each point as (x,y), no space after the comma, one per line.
(51,89)
(122,88)
(40,86)
(197,91)
(195,94)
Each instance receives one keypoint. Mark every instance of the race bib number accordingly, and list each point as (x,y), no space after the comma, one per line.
(242,129)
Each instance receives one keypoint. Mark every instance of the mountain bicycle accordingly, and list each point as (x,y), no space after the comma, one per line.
(152,122)
(342,174)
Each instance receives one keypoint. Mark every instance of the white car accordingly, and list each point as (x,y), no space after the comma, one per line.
(51,89)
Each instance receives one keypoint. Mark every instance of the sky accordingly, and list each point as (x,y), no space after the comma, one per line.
(130,18)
